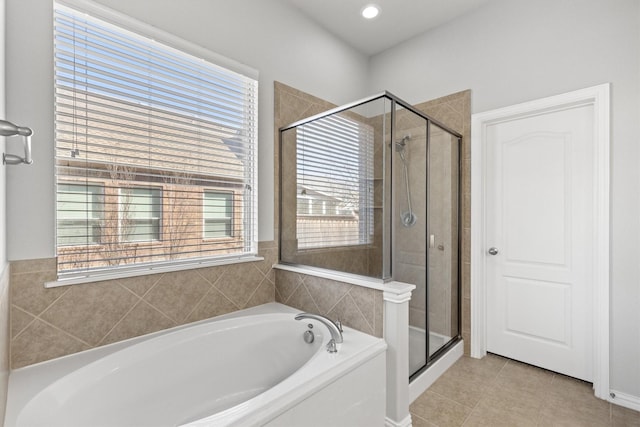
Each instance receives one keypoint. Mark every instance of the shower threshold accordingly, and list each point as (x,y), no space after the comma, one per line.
(422,381)
(417,346)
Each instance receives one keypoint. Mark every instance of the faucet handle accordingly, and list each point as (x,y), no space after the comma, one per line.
(332,347)
(339,325)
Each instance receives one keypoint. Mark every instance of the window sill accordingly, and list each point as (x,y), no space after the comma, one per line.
(134,271)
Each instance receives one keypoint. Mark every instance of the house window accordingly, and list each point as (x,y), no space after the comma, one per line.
(145,129)
(139,214)
(218,214)
(80,208)
(334,183)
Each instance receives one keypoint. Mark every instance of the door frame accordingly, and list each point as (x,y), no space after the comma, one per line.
(598,97)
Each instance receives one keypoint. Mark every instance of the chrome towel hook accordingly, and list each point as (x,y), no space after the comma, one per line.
(9,129)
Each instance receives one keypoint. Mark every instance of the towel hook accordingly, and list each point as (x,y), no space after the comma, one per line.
(9,129)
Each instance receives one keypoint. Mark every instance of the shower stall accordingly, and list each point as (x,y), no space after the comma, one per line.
(373,189)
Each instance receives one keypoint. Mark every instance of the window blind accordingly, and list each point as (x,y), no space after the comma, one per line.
(334,182)
(145,134)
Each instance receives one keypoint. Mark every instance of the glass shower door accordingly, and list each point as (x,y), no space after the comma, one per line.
(442,238)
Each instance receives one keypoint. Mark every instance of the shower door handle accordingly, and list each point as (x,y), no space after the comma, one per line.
(493,251)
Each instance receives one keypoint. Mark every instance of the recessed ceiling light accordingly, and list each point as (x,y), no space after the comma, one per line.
(370,11)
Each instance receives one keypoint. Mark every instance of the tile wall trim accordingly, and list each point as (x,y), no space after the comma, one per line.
(353,279)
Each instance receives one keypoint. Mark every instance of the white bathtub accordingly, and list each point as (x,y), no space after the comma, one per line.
(247,368)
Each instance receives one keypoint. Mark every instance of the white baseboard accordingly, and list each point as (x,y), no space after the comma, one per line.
(404,423)
(626,400)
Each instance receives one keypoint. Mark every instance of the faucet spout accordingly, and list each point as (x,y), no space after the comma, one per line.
(334,330)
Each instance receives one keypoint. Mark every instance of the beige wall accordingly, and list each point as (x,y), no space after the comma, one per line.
(49,323)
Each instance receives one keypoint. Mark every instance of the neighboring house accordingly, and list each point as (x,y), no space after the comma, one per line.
(117,204)
(326,221)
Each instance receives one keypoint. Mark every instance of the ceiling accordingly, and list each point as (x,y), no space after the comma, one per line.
(399,20)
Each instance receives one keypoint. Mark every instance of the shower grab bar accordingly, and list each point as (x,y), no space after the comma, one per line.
(9,129)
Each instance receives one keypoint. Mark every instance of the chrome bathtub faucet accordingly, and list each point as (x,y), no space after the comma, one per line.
(334,330)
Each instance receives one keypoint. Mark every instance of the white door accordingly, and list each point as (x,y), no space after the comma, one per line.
(540,239)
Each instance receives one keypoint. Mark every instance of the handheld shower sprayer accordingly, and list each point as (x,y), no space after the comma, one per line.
(408,218)
(9,129)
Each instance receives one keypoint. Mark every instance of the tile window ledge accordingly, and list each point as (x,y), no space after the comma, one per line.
(390,287)
(149,269)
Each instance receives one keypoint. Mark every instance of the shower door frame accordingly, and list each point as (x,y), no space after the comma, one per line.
(395,102)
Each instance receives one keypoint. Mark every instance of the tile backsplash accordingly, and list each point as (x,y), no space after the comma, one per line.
(49,323)
(355,306)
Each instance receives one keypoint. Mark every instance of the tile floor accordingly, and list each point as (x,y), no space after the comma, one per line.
(495,391)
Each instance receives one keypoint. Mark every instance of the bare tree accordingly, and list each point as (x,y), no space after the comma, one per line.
(117,223)
(179,220)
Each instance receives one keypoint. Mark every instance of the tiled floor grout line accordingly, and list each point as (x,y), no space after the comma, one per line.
(490,384)
(544,402)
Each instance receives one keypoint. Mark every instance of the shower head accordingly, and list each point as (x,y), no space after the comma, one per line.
(401,144)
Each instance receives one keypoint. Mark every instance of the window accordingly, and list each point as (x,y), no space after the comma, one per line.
(79,214)
(143,130)
(140,214)
(218,214)
(334,183)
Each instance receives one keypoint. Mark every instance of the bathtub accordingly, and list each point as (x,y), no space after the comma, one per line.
(249,368)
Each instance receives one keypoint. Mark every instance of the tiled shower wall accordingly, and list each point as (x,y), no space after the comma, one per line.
(49,323)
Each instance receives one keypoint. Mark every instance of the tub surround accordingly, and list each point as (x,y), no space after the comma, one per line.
(345,388)
(54,322)
(49,323)
(355,306)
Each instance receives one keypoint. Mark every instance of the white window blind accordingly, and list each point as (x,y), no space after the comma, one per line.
(142,129)
(334,183)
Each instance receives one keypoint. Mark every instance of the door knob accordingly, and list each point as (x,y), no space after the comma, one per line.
(493,251)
